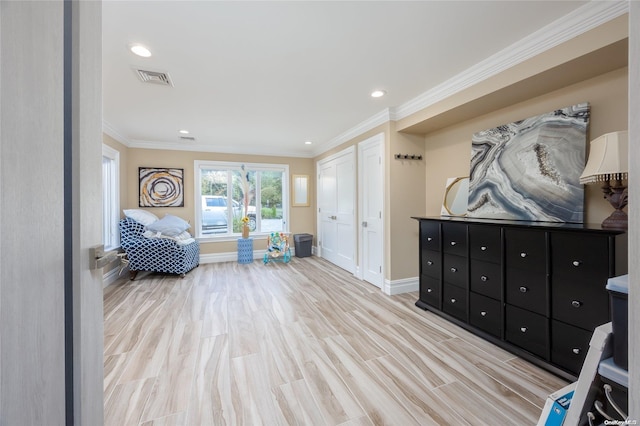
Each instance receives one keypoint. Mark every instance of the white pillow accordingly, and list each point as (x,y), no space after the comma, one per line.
(169,225)
(141,216)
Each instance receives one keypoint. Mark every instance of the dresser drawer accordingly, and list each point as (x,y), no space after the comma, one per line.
(486,278)
(569,346)
(527,289)
(430,235)
(454,301)
(454,238)
(580,303)
(485,243)
(455,270)
(580,257)
(486,314)
(528,330)
(430,291)
(431,263)
(526,250)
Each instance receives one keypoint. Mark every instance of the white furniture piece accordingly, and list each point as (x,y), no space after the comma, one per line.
(597,365)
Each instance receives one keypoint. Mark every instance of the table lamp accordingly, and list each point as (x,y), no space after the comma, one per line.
(609,164)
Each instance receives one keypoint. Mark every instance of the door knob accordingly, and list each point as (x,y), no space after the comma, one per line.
(364,224)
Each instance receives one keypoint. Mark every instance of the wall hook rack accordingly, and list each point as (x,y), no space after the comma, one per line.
(407,157)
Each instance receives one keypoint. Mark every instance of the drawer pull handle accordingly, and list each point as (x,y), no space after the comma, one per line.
(429,262)
(483,313)
(576,263)
(483,278)
(576,351)
(454,270)
(483,248)
(523,329)
(429,238)
(523,289)
(429,290)
(523,254)
(576,303)
(453,243)
(453,300)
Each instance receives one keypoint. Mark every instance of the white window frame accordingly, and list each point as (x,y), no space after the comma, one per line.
(199,165)
(111,198)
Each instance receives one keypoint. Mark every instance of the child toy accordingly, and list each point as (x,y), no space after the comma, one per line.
(277,248)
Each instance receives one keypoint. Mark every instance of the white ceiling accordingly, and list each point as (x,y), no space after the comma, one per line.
(264,77)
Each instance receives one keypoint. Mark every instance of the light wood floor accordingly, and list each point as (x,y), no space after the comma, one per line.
(303,343)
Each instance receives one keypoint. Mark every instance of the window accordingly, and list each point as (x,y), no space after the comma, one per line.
(110,197)
(227,192)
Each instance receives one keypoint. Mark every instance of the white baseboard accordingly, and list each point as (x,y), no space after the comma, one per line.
(405,285)
(112,276)
(232,256)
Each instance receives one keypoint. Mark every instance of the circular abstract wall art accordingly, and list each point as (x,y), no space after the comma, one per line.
(161,187)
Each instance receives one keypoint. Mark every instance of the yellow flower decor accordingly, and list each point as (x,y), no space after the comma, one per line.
(245,226)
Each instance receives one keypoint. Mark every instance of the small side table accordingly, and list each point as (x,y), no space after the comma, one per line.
(245,250)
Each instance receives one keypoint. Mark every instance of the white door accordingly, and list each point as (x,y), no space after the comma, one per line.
(336,209)
(327,240)
(371,201)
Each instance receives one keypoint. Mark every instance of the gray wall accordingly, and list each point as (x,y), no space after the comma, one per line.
(31,214)
(634,212)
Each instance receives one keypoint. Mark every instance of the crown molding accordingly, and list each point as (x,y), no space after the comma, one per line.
(111,131)
(581,20)
(221,149)
(374,121)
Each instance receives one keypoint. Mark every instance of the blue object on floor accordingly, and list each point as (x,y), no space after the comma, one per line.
(245,250)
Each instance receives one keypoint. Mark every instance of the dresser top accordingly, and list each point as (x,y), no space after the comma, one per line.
(549,226)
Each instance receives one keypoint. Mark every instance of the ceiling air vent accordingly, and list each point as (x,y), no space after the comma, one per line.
(154,77)
(187,138)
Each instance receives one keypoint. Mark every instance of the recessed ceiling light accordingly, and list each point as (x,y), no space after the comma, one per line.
(308,142)
(140,50)
(378,93)
(184,132)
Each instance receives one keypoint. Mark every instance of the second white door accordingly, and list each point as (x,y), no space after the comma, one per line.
(336,209)
(371,201)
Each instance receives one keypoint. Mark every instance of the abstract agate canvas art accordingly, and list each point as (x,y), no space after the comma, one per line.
(530,169)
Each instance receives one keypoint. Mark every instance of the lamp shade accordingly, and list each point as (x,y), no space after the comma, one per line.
(608,158)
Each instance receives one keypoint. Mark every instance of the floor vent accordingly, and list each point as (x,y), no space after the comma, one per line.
(154,77)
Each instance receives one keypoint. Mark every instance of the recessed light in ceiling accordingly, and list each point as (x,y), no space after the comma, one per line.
(308,142)
(378,93)
(140,50)
(184,132)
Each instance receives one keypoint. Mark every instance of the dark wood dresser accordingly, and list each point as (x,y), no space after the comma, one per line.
(536,289)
